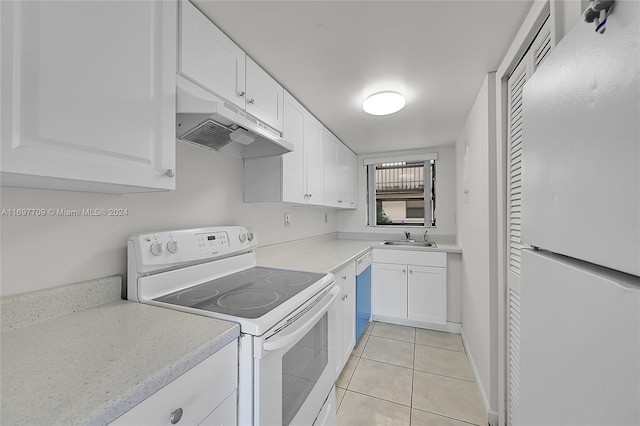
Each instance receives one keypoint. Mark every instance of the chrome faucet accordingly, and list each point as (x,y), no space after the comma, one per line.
(407,235)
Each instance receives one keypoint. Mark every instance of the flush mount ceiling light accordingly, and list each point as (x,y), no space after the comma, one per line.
(383,103)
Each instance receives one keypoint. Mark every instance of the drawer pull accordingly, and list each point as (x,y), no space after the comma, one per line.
(175,416)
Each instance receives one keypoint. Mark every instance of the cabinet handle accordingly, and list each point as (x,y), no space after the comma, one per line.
(344,277)
(411,271)
(170,173)
(404,271)
(241,94)
(175,416)
(252,101)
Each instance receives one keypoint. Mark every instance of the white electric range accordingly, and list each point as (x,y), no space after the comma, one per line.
(288,337)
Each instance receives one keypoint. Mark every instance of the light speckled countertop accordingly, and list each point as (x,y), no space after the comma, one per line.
(93,365)
(328,253)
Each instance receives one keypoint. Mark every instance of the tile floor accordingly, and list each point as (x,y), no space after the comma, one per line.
(409,376)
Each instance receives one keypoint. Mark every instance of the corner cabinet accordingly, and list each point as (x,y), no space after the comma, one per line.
(211,59)
(296,177)
(204,395)
(88,105)
(409,286)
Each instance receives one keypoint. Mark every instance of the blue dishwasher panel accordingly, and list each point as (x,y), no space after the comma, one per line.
(363,300)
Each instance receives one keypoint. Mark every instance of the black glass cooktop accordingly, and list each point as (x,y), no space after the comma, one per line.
(247,294)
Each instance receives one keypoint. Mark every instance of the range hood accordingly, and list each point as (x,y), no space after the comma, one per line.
(206,120)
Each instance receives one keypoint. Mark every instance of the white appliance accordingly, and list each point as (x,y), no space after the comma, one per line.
(580,287)
(288,337)
(204,119)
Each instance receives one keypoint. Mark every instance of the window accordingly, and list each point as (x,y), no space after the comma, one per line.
(402,191)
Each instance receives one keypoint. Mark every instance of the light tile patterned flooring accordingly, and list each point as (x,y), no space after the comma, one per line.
(408,376)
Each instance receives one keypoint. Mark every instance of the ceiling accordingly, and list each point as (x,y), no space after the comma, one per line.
(332,54)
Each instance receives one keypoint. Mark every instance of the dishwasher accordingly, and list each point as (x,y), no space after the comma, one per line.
(363,293)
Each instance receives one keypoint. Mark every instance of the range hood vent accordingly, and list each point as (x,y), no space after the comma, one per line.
(207,120)
(210,134)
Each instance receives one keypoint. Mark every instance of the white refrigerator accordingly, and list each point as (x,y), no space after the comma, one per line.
(580,286)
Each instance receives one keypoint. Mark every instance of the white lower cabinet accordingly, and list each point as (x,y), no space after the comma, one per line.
(409,285)
(206,394)
(346,279)
(225,414)
(389,290)
(427,294)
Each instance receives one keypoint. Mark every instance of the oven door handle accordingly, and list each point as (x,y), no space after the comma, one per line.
(280,343)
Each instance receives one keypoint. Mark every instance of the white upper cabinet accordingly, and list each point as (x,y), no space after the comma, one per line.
(211,59)
(264,97)
(296,177)
(347,172)
(340,173)
(313,160)
(88,95)
(294,188)
(331,168)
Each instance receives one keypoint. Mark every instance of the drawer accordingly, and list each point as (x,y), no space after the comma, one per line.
(197,392)
(410,257)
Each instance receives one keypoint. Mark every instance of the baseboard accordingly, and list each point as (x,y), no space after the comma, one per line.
(449,327)
(492,416)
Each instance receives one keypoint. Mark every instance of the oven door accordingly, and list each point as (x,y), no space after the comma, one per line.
(295,367)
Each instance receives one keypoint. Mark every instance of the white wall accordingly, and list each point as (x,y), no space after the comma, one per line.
(356,220)
(42,252)
(477,237)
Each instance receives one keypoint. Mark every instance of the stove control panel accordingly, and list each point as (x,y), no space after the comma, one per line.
(161,250)
(211,240)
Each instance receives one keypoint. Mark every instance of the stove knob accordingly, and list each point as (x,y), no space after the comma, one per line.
(243,238)
(172,246)
(250,236)
(156,249)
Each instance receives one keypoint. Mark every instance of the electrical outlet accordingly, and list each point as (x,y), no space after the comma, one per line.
(326,217)
(287,219)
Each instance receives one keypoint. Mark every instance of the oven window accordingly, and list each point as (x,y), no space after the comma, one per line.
(302,367)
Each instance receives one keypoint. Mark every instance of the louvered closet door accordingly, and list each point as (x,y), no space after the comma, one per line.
(538,50)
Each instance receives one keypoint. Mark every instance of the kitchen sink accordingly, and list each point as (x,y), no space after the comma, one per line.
(410,243)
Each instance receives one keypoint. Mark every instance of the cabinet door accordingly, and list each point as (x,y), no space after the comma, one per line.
(389,290)
(427,291)
(88,95)
(352,187)
(265,97)
(346,173)
(209,57)
(314,160)
(293,172)
(346,279)
(330,169)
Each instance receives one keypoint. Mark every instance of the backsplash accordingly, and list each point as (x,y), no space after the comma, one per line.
(22,310)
